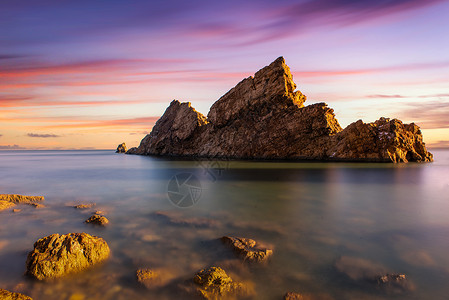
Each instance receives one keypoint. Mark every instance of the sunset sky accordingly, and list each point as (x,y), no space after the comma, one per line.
(92,74)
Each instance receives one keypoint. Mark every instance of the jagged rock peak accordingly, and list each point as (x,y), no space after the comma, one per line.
(263,117)
(271,87)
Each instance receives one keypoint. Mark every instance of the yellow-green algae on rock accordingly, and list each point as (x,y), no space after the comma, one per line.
(57,255)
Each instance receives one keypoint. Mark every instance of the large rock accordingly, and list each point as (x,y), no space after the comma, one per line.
(121,148)
(21,199)
(57,255)
(263,117)
(7,295)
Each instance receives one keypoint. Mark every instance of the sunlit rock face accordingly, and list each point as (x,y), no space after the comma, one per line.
(264,117)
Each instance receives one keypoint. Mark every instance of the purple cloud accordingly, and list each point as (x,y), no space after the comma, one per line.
(13,147)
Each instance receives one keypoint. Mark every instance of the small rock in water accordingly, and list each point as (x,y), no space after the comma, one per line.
(214,283)
(367,272)
(247,249)
(293,296)
(7,295)
(58,255)
(36,205)
(21,198)
(85,205)
(148,277)
(97,220)
(5,205)
(395,283)
(16,210)
(121,148)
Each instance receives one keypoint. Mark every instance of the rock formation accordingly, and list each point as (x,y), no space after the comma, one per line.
(7,295)
(121,148)
(247,249)
(263,117)
(57,255)
(20,199)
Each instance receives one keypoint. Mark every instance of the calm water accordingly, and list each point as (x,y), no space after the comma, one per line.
(394,216)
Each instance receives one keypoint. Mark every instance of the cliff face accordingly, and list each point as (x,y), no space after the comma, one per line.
(263,117)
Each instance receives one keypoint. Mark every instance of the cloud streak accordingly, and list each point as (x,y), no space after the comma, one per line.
(45,135)
(11,147)
(430,115)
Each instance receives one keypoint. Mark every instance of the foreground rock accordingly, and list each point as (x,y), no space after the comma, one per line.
(263,117)
(366,272)
(121,148)
(58,255)
(21,199)
(247,249)
(97,220)
(214,283)
(7,295)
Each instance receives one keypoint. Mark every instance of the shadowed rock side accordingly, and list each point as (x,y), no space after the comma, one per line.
(263,117)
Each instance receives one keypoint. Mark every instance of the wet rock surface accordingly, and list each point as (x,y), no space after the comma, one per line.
(121,148)
(247,249)
(214,283)
(293,296)
(97,220)
(263,117)
(58,255)
(7,295)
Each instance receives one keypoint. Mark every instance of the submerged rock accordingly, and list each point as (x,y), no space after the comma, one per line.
(84,205)
(97,220)
(57,255)
(247,249)
(176,218)
(148,277)
(293,296)
(6,204)
(214,283)
(394,283)
(367,272)
(121,148)
(21,199)
(7,295)
(263,117)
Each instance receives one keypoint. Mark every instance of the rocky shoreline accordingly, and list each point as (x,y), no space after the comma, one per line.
(57,256)
(264,118)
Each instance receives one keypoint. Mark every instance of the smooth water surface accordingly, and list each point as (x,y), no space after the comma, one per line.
(312,214)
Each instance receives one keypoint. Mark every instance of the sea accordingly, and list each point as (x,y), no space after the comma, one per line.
(331,226)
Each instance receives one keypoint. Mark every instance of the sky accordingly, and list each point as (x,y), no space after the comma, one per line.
(93,74)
